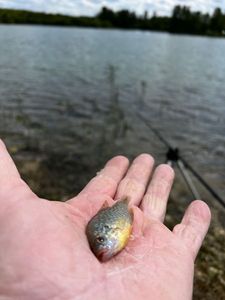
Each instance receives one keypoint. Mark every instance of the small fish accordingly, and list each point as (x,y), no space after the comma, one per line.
(109,230)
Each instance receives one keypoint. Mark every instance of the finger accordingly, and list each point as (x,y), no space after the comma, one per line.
(134,183)
(194,226)
(8,170)
(88,206)
(107,179)
(154,202)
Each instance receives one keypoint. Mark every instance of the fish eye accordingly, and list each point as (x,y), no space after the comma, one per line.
(100,239)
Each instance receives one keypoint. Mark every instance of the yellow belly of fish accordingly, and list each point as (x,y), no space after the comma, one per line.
(123,234)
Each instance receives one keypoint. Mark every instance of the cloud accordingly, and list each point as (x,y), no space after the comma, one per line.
(91,7)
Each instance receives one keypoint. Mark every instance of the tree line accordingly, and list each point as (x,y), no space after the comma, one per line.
(182,20)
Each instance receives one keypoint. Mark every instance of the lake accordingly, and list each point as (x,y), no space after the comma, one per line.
(83,94)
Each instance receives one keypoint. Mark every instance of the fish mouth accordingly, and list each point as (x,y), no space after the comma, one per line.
(104,255)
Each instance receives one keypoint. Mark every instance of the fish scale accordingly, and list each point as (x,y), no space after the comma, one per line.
(109,230)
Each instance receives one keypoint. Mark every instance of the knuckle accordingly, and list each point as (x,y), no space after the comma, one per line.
(179,228)
(130,186)
(105,179)
(101,183)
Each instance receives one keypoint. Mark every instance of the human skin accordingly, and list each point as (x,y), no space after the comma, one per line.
(44,252)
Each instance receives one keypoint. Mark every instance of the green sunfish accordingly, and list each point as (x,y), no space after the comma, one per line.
(109,230)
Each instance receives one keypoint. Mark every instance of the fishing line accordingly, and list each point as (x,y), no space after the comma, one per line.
(173,155)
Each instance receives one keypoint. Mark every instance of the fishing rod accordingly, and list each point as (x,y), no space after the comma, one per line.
(173,156)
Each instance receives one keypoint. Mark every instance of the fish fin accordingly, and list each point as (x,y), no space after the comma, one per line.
(105,205)
(125,199)
(132,237)
(131,213)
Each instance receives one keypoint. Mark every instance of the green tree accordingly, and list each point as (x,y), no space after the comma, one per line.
(217,21)
(126,19)
(107,14)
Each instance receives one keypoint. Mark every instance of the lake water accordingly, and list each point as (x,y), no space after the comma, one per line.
(80,92)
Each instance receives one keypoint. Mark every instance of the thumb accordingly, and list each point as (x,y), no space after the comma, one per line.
(194,225)
(8,170)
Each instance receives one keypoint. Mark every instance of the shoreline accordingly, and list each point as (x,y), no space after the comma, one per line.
(115,28)
(182,21)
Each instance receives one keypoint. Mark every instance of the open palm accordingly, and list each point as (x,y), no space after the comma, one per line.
(44,252)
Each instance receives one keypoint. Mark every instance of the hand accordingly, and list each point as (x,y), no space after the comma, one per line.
(44,253)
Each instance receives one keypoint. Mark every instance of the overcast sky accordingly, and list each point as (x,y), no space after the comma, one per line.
(91,7)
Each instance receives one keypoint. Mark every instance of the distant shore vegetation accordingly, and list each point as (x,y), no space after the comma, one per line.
(182,20)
